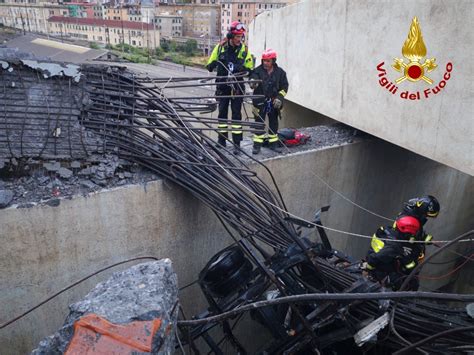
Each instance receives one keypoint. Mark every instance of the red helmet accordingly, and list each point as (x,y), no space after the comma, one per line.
(237,28)
(408,224)
(269,54)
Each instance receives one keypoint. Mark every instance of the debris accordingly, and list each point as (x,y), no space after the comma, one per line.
(53,203)
(75,164)
(88,184)
(470,309)
(52,166)
(65,173)
(6,196)
(121,300)
(86,171)
(370,331)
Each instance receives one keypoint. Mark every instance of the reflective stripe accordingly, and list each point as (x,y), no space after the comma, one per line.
(248,60)
(394,225)
(236,129)
(258,138)
(369,267)
(376,244)
(428,238)
(215,54)
(272,138)
(222,128)
(410,265)
(282,93)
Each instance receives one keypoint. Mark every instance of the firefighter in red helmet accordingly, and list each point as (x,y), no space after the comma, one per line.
(269,80)
(232,59)
(396,250)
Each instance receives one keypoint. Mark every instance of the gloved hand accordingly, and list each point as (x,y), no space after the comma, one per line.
(428,239)
(238,69)
(277,103)
(210,67)
(255,111)
(366,266)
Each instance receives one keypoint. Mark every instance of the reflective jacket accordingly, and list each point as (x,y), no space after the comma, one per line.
(392,256)
(230,60)
(273,85)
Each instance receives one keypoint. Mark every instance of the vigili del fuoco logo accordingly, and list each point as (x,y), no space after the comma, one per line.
(415,69)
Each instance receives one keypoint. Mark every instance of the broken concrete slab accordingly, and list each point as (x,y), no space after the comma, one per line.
(88,184)
(75,164)
(65,173)
(143,292)
(52,166)
(6,196)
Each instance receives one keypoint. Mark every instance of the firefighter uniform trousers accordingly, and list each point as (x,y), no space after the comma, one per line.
(236,107)
(260,113)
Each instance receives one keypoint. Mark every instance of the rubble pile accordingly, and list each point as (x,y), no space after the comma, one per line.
(28,182)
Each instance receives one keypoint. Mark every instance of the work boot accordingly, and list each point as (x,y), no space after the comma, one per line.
(276,147)
(256,148)
(236,150)
(221,142)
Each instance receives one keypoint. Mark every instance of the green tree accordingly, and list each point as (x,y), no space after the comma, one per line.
(165,46)
(173,46)
(190,47)
(159,52)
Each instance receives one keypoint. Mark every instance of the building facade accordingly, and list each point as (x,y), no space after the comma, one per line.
(169,25)
(246,10)
(198,20)
(30,17)
(106,32)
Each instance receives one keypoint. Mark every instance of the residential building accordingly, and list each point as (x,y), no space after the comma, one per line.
(85,10)
(124,13)
(246,10)
(31,17)
(114,32)
(198,20)
(100,11)
(148,11)
(169,25)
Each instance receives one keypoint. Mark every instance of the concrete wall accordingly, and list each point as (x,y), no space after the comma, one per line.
(46,248)
(331,50)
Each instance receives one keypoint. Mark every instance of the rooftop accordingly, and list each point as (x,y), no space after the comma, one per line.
(100,22)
